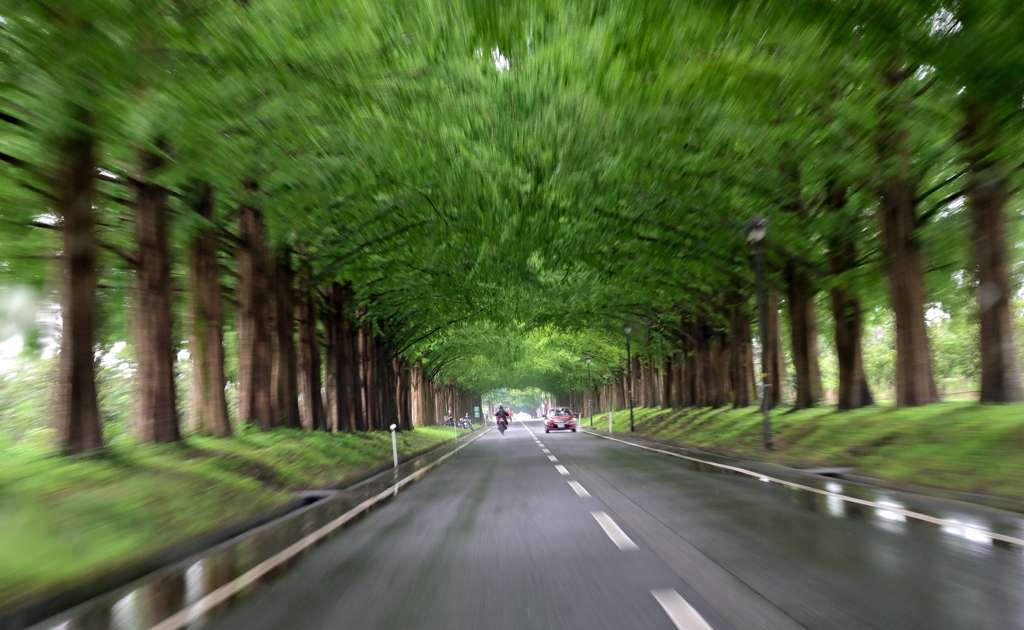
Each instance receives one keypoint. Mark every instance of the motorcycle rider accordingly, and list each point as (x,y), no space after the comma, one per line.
(501,416)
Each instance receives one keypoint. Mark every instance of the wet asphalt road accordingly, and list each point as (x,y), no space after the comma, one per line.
(497,537)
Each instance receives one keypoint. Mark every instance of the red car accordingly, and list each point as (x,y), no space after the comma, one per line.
(560,419)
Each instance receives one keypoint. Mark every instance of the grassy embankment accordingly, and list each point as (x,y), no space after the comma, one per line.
(954,445)
(65,519)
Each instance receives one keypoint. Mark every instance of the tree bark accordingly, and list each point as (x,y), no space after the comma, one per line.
(254,335)
(722,381)
(853,392)
(78,419)
(915,382)
(739,332)
(666,384)
(988,194)
(206,345)
(803,337)
(345,403)
(311,410)
(286,370)
(331,323)
(157,403)
(371,381)
(776,362)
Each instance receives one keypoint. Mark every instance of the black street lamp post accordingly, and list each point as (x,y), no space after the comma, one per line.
(629,371)
(590,393)
(757,229)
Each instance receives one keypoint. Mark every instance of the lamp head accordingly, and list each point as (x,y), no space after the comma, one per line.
(627,329)
(588,359)
(757,229)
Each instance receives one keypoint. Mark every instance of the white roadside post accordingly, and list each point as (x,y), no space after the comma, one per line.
(394,444)
(609,421)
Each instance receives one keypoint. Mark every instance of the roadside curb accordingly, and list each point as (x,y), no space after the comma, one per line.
(40,608)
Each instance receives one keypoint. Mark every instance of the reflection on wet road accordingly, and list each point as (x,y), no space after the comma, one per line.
(574,531)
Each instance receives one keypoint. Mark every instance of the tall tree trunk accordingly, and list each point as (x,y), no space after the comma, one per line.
(78,419)
(157,404)
(206,345)
(989,191)
(853,392)
(803,337)
(371,383)
(287,400)
(722,381)
(703,374)
(652,380)
(690,370)
(254,333)
(915,382)
(677,379)
(712,369)
(666,385)
(355,414)
(739,332)
(346,406)
(364,379)
(332,359)
(776,362)
(311,411)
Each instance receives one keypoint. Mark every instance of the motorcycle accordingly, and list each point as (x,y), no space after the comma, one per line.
(465,423)
(502,425)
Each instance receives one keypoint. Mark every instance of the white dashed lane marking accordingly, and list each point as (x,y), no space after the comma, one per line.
(679,610)
(562,470)
(552,458)
(614,532)
(580,490)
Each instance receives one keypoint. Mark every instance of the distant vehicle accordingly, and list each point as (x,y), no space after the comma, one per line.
(560,419)
(522,416)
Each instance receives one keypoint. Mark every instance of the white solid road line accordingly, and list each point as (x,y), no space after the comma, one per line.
(842,497)
(562,470)
(679,610)
(552,458)
(580,490)
(614,532)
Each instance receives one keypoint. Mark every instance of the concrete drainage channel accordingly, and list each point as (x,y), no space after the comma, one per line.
(210,573)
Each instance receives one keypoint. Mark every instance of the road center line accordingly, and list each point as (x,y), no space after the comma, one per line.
(679,610)
(797,486)
(580,490)
(552,458)
(546,450)
(614,532)
(562,470)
